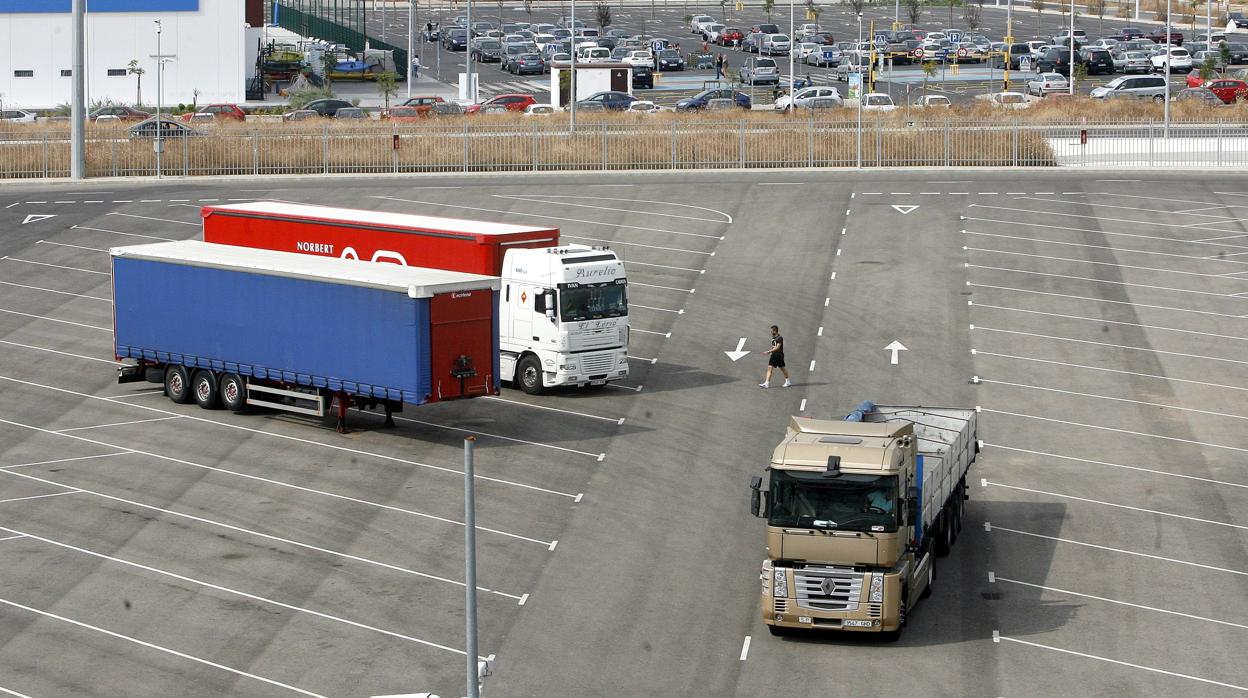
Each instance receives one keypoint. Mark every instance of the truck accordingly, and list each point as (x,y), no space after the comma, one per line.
(857,510)
(233,327)
(563,309)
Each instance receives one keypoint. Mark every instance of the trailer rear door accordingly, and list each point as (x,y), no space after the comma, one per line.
(463,339)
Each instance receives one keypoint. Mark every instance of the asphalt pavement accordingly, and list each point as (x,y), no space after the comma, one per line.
(1096,319)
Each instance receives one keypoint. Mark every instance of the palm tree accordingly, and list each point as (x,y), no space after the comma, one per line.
(132,68)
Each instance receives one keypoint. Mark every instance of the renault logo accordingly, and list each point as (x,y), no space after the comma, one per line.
(827,586)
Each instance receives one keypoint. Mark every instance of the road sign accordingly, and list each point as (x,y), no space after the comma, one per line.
(962,53)
(881,40)
(1024,63)
(917,53)
(955,37)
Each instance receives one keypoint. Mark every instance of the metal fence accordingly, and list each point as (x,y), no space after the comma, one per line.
(336,21)
(539,144)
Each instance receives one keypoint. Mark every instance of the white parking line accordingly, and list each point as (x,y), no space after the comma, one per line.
(38,496)
(647,359)
(266,536)
(52,290)
(10,692)
(630,263)
(1030,240)
(1160,238)
(63,460)
(661,334)
(76,247)
(1116,430)
(997,637)
(1045,454)
(990,527)
(745,648)
(1097,281)
(117,424)
(1094,262)
(162,220)
(62,353)
(546,200)
(1111,322)
(1111,346)
(595,456)
(286,437)
(998,578)
(989,483)
(666,288)
(58,266)
(1102,300)
(235,592)
(638,244)
(662,310)
(1130,208)
(619,420)
(1024,386)
(270,481)
(118,232)
(52,319)
(1102,219)
(159,648)
(1067,364)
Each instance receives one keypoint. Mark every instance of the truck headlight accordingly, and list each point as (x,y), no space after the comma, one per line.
(623,334)
(780,583)
(877,588)
(568,367)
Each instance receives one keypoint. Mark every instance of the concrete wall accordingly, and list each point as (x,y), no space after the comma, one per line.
(208,42)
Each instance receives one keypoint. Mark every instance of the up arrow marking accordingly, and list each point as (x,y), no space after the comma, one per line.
(735,355)
(36,217)
(894,348)
(903,210)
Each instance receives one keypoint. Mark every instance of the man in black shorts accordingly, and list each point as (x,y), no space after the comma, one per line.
(775,359)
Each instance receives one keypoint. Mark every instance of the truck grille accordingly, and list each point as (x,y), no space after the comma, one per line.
(828,588)
(782,605)
(581,340)
(597,363)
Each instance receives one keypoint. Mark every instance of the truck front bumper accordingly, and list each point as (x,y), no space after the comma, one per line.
(590,369)
(865,616)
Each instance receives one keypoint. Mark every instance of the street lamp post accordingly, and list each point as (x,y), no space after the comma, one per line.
(860,87)
(572,71)
(1169,49)
(472,94)
(78,108)
(411,27)
(792,67)
(1070,69)
(160,65)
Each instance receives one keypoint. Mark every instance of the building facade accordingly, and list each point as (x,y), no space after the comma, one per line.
(203,42)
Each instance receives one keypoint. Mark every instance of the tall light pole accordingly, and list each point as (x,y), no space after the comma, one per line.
(1009,44)
(860,87)
(1070,69)
(472,94)
(78,108)
(792,68)
(1169,48)
(160,131)
(411,47)
(572,71)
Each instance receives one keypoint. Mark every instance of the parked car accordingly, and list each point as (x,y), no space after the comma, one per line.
(851,62)
(443,109)
(327,107)
(729,36)
(804,49)
(711,31)
(455,40)
(167,126)
(640,58)
(486,51)
(610,100)
(220,112)
(775,44)
(1132,62)
(1097,61)
(1056,60)
(767,28)
(1015,52)
(825,57)
(403,114)
(643,78)
(540,110)
(1158,36)
(17,116)
(697,22)
(1138,87)
(300,115)
(759,71)
(1062,38)
(642,106)
(1199,57)
(119,113)
(804,97)
(507,102)
(700,100)
(933,101)
(1179,59)
(1229,90)
(878,101)
(1199,94)
(527,64)
(1047,83)
(1009,100)
(752,41)
(1129,33)
(423,105)
(668,59)
(351,113)
(596,54)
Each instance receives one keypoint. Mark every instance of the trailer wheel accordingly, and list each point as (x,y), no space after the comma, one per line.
(204,387)
(529,375)
(177,384)
(233,392)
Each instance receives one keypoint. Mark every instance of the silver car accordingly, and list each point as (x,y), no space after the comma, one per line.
(775,44)
(759,70)
(1134,87)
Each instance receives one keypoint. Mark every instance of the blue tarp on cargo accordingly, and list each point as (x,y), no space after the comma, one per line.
(365,341)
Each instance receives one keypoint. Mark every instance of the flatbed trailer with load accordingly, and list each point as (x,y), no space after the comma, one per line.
(227,326)
(857,510)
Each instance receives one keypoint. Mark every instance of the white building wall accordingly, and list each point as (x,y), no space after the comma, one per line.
(208,43)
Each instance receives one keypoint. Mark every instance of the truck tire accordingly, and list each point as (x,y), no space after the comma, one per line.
(940,538)
(895,635)
(529,375)
(778,631)
(233,392)
(204,388)
(177,384)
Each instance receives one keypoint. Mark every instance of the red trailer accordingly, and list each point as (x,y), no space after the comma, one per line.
(473,247)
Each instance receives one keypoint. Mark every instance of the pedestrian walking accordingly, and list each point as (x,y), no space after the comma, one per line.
(415,67)
(719,66)
(706,47)
(775,359)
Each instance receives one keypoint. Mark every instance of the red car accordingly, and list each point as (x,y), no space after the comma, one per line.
(1194,79)
(423,105)
(221,112)
(730,36)
(508,102)
(118,112)
(404,114)
(1228,90)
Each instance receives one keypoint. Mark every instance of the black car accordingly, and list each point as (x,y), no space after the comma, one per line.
(486,51)
(700,100)
(1239,53)
(668,59)
(1239,19)
(1129,33)
(611,101)
(455,40)
(1097,60)
(1057,60)
(769,28)
(643,78)
(327,107)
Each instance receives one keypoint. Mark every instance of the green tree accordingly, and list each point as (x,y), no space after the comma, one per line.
(1225,51)
(132,68)
(602,15)
(1209,67)
(914,10)
(329,61)
(1078,75)
(769,5)
(929,72)
(387,85)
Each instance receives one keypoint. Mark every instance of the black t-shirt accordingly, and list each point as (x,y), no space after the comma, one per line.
(777,343)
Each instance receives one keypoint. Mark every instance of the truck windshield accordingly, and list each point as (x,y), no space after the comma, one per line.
(845,503)
(593,301)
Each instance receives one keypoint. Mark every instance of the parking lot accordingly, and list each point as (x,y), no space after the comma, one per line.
(668,22)
(1096,319)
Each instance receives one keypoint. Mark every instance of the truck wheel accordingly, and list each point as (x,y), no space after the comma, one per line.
(529,375)
(233,392)
(204,387)
(895,635)
(931,577)
(941,542)
(177,384)
(778,631)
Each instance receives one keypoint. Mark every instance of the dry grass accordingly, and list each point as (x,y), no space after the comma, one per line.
(972,135)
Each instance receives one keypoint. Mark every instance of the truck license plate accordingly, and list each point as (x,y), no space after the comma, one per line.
(598,382)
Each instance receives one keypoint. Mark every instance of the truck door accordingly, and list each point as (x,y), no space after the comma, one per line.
(522,303)
(461,343)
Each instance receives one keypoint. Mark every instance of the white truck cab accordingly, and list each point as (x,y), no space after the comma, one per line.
(564,317)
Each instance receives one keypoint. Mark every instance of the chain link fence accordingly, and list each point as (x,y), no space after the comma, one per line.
(537,145)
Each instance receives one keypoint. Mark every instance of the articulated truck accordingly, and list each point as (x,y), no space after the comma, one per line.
(563,308)
(856,512)
(230,327)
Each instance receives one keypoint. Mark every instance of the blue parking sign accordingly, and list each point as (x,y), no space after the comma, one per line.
(955,37)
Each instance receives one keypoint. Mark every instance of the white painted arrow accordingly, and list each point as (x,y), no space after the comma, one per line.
(36,217)
(895,347)
(735,355)
(904,209)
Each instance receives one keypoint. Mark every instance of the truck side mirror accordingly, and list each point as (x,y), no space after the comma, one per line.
(550,304)
(912,504)
(756,496)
